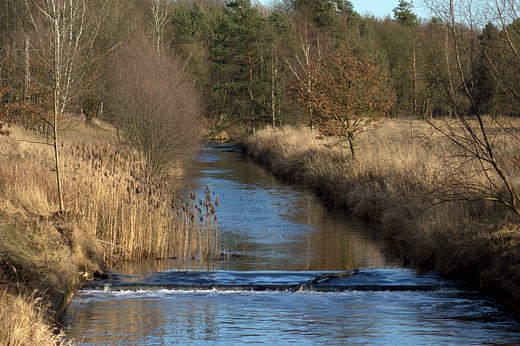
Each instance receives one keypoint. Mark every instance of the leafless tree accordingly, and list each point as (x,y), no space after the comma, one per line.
(483,146)
(160,12)
(58,26)
(154,104)
(305,62)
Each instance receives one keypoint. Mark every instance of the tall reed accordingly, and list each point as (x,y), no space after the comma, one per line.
(133,214)
(113,207)
(136,215)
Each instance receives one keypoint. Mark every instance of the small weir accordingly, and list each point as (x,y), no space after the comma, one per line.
(299,274)
(298,281)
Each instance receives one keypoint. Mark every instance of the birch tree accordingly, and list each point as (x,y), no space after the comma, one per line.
(305,63)
(58,25)
(160,14)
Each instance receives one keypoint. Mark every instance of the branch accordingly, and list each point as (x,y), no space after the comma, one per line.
(31,142)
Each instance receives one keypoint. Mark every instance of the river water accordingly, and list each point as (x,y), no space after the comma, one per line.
(303,274)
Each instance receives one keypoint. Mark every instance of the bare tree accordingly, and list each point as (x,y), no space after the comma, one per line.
(483,147)
(160,14)
(305,63)
(154,104)
(58,26)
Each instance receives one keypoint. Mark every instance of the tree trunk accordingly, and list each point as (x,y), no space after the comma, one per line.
(27,68)
(352,144)
(273,77)
(57,76)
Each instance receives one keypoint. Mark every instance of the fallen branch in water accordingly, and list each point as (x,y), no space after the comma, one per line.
(304,286)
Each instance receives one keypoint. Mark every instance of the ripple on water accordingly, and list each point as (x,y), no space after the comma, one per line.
(288,236)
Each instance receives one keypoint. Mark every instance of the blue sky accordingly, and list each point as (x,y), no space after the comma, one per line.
(379,8)
(382,8)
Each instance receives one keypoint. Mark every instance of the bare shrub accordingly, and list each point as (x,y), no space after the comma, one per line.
(480,143)
(153,104)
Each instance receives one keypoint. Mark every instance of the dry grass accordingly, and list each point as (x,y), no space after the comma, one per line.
(136,215)
(114,210)
(409,181)
(24,322)
(132,214)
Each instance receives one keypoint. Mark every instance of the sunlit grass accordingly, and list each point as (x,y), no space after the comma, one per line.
(24,322)
(136,215)
(408,180)
(133,214)
(114,210)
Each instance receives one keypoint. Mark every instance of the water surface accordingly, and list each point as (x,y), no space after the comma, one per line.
(285,238)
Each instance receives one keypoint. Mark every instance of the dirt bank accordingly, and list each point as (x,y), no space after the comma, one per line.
(44,255)
(42,261)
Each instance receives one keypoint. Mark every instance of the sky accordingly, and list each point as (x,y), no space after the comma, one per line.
(382,8)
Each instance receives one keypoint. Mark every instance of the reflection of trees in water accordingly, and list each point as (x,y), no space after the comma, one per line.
(281,225)
(336,242)
(123,320)
(131,320)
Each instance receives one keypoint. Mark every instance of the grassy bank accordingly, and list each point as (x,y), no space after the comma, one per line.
(114,211)
(403,182)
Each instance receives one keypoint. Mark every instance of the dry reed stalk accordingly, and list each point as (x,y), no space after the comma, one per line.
(136,216)
(23,322)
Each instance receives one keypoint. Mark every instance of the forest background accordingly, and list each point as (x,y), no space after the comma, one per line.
(163,73)
(247,61)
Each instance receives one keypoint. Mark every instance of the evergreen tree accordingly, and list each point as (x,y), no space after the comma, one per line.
(404,15)
(235,60)
(406,18)
(486,85)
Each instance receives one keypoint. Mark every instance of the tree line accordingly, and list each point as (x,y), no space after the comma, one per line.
(152,67)
(253,65)
(261,65)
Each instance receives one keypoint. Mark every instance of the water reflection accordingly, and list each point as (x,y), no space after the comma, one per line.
(279,226)
(353,318)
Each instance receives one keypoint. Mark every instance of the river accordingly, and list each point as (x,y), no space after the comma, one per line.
(303,274)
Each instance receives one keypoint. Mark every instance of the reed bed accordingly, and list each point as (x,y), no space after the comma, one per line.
(136,215)
(133,215)
(24,322)
(114,211)
(408,181)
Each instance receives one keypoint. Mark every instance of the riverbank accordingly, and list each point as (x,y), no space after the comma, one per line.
(114,211)
(44,254)
(400,184)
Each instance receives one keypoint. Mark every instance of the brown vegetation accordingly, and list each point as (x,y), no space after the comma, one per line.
(23,322)
(114,210)
(349,96)
(407,181)
(153,104)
